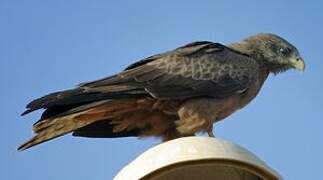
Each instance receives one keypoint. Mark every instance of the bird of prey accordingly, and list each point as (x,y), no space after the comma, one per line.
(169,95)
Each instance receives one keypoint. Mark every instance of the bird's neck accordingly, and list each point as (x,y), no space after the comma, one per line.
(243,48)
(255,53)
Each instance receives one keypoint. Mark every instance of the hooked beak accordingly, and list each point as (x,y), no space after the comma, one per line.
(298,63)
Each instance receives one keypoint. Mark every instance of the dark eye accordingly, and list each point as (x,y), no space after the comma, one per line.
(285,51)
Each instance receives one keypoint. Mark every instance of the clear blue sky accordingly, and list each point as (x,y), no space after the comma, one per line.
(53,45)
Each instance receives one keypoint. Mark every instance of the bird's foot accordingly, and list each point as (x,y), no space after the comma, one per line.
(210,133)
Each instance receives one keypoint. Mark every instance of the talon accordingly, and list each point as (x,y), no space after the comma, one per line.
(210,133)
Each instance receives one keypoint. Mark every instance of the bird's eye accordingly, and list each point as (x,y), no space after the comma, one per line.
(285,51)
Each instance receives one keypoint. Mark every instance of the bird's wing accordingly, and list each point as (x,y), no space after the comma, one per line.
(197,69)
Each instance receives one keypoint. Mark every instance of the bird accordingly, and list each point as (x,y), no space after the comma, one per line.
(169,95)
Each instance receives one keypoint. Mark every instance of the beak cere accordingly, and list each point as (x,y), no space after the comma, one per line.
(298,63)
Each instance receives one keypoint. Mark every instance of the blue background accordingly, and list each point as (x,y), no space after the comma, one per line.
(47,46)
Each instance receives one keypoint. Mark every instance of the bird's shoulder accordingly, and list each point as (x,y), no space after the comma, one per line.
(186,50)
(204,60)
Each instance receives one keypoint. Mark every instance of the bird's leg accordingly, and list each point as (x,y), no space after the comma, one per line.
(170,135)
(210,131)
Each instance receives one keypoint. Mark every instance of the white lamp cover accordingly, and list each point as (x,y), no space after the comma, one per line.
(200,158)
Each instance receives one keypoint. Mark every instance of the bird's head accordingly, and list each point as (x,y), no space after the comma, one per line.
(278,54)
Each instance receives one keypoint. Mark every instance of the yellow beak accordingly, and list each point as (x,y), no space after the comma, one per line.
(298,63)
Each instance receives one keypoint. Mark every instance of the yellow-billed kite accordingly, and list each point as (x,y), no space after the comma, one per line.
(168,95)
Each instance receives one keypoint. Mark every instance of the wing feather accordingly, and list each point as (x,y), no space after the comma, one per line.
(198,69)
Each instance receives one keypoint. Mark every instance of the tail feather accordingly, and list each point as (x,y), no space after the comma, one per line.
(77,118)
(52,128)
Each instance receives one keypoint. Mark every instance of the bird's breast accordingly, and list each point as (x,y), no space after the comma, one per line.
(224,107)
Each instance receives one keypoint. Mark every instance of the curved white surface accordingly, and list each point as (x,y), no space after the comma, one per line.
(195,153)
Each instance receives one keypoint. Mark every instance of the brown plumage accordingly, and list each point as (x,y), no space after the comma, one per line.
(169,95)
